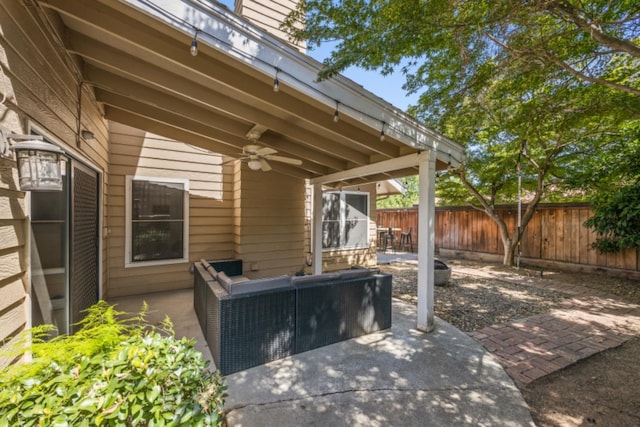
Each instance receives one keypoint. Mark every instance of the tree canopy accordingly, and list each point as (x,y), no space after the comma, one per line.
(532,88)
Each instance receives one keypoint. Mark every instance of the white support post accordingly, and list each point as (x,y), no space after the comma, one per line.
(317,228)
(426,239)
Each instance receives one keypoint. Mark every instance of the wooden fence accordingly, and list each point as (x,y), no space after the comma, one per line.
(556,233)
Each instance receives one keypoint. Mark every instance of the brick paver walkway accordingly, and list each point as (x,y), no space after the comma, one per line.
(587,323)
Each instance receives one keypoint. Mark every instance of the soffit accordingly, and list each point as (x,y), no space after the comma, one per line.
(142,71)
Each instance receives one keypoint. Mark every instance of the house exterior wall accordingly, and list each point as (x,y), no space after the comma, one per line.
(268,15)
(41,90)
(137,153)
(269,223)
(333,260)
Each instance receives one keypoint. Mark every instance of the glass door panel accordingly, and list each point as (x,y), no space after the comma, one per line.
(49,257)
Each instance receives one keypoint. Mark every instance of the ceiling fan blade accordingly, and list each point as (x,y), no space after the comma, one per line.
(282,159)
(251,149)
(265,151)
(265,165)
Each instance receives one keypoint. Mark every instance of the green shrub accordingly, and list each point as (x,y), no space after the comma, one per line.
(114,371)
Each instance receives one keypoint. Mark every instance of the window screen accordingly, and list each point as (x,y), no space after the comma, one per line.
(345,220)
(157,220)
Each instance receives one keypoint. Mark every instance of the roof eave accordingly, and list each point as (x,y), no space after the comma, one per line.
(245,42)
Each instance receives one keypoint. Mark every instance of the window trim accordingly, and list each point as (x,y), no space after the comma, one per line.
(342,219)
(128,262)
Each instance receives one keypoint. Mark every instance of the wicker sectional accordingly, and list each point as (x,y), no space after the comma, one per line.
(258,321)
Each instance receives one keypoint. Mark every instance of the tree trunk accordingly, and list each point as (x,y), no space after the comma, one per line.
(510,242)
(510,247)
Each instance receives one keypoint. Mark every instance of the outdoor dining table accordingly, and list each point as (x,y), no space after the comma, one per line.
(383,235)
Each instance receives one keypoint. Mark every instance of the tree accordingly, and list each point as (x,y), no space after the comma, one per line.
(537,133)
(536,85)
(453,45)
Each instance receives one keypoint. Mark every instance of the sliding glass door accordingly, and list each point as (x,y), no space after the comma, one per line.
(64,249)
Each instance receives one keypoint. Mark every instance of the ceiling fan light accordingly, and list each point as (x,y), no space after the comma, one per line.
(254,164)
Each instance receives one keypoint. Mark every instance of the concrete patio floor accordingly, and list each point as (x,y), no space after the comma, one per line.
(397,377)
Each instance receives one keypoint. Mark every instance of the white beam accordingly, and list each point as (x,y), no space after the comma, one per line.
(390,165)
(426,239)
(317,228)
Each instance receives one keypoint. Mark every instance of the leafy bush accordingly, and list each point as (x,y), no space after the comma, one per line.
(616,219)
(114,371)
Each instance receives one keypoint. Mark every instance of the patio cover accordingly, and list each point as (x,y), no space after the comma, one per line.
(135,55)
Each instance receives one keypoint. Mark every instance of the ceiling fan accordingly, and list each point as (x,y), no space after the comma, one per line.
(257,157)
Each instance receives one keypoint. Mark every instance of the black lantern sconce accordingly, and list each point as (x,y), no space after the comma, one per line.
(40,164)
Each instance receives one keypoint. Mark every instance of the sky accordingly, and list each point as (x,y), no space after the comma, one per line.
(387,87)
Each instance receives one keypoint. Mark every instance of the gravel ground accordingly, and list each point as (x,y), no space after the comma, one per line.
(471,303)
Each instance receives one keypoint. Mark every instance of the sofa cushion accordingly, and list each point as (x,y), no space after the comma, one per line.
(313,278)
(260,285)
(224,280)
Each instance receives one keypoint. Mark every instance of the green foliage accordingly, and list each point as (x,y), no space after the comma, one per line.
(614,176)
(406,200)
(449,48)
(617,219)
(114,371)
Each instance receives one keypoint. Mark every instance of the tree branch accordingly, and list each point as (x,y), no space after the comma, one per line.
(584,77)
(546,56)
(567,10)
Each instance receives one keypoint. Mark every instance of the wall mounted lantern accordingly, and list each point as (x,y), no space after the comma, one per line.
(40,164)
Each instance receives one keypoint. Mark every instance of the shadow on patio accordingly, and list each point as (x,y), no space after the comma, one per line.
(395,377)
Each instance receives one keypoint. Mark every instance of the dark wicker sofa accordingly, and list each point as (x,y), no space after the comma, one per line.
(250,322)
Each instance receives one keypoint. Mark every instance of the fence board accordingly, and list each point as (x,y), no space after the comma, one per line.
(584,255)
(571,235)
(548,235)
(556,232)
(531,238)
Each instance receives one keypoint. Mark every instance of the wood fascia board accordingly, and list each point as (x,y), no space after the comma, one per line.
(404,162)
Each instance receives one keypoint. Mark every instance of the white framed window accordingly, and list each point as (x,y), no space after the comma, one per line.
(157,221)
(345,220)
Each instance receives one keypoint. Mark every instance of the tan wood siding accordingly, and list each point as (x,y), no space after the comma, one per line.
(268,15)
(269,228)
(41,89)
(137,153)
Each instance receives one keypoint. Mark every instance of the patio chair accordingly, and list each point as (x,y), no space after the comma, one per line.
(406,240)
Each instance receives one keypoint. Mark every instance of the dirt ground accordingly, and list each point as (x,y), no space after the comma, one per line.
(603,390)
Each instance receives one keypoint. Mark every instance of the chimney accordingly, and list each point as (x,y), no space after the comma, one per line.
(268,15)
